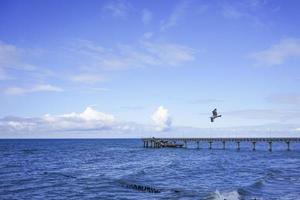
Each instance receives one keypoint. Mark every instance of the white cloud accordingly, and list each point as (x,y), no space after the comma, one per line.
(21,125)
(3,75)
(88,119)
(245,10)
(205,101)
(98,89)
(266,114)
(145,53)
(85,47)
(8,55)
(118,9)
(170,54)
(147,35)
(37,88)
(278,53)
(177,14)
(21,63)
(162,119)
(12,57)
(89,114)
(232,12)
(293,99)
(146,16)
(96,124)
(88,78)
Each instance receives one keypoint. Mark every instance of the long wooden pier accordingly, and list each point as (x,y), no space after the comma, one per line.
(183,142)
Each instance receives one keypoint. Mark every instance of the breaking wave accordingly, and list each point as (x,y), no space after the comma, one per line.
(231,195)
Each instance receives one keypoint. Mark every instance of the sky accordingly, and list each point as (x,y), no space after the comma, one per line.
(149,68)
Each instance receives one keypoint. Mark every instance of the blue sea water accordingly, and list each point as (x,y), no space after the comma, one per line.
(123,169)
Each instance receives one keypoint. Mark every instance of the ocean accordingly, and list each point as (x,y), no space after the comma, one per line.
(123,169)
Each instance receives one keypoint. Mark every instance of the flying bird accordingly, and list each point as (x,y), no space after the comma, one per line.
(215,115)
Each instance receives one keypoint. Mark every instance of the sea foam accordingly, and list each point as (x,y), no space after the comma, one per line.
(232,195)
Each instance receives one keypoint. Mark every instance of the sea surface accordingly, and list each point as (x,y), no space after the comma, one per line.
(123,169)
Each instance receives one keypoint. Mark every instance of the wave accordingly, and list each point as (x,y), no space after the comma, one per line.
(257,187)
(58,174)
(270,175)
(29,151)
(231,195)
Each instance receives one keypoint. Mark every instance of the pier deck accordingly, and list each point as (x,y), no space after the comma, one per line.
(160,142)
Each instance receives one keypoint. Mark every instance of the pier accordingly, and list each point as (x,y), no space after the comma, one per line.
(183,142)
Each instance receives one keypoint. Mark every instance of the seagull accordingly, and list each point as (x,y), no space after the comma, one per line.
(215,115)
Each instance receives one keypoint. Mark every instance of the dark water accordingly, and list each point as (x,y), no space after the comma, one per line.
(122,169)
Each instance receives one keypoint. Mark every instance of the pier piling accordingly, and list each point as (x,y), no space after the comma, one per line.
(238,145)
(210,144)
(253,143)
(288,145)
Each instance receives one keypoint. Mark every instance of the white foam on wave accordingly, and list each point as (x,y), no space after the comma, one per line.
(232,195)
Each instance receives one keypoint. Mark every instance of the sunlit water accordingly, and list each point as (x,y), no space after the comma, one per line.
(123,169)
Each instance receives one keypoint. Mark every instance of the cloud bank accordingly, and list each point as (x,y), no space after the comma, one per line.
(91,123)
(89,119)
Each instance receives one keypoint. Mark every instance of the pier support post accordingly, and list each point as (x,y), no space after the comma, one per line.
(185,144)
(223,145)
(254,143)
(270,145)
(238,145)
(288,145)
(147,144)
(198,145)
(210,142)
(144,144)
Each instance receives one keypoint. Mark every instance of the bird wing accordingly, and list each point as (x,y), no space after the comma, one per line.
(215,112)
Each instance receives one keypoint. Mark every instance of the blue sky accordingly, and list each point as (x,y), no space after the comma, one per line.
(117,67)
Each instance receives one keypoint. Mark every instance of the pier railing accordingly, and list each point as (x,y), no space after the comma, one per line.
(161,142)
